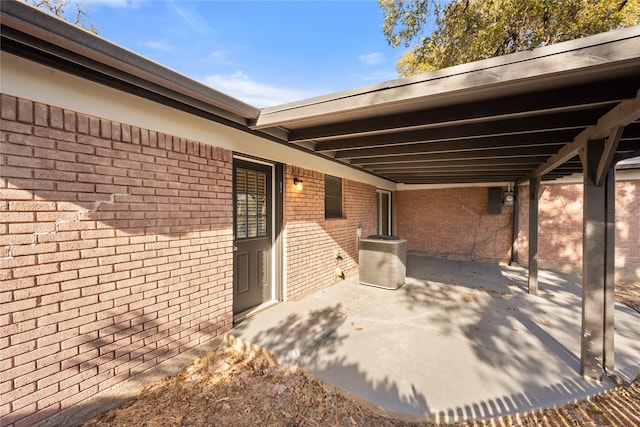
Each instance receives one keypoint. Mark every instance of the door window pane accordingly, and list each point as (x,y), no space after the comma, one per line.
(251,204)
(262,217)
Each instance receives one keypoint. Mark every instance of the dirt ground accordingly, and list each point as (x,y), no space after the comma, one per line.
(629,294)
(232,387)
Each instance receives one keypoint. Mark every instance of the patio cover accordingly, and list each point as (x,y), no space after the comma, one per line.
(542,114)
(503,119)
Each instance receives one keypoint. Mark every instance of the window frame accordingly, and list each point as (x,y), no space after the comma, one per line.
(379,210)
(333,197)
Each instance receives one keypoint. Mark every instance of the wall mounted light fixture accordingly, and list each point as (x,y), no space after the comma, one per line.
(298,183)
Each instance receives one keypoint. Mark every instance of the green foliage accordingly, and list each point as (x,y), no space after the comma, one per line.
(470,30)
(70,10)
(405,19)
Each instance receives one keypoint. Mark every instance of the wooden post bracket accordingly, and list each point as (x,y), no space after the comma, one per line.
(607,156)
(608,125)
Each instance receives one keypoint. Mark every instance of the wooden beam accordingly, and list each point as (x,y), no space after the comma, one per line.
(565,154)
(505,155)
(621,115)
(455,179)
(607,156)
(548,101)
(593,268)
(610,272)
(582,153)
(408,175)
(520,126)
(516,226)
(534,194)
(538,139)
(530,161)
(624,113)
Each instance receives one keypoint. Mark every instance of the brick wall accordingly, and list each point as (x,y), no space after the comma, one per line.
(560,232)
(453,222)
(628,230)
(115,254)
(310,240)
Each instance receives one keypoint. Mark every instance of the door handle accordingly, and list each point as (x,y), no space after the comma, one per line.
(235,248)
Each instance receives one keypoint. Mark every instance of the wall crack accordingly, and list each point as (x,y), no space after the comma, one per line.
(9,249)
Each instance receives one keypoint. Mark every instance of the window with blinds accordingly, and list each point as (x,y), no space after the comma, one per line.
(332,197)
(251,204)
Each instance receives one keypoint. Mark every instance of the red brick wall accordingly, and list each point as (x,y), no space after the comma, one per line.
(453,222)
(310,240)
(115,254)
(560,232)
(560,227)
(628,230)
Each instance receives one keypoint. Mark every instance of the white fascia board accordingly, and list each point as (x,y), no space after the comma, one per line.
(29,80)
(409,187)
(628,175)
(577,178)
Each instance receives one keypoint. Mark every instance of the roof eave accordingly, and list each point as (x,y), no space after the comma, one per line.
(48,34)
(571,62)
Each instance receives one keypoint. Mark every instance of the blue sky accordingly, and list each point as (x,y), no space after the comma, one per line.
(262,52)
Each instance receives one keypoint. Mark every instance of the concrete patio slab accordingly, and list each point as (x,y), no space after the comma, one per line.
(459,340)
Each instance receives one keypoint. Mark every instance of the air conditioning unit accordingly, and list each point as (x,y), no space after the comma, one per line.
(383,261)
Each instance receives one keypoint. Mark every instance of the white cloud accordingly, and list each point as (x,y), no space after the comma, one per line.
(191,17)
(159,45)
(221,57)
(241,86)
(371,58)
(134,4)
(218,54)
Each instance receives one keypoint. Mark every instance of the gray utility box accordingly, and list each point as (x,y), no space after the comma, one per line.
(383,261)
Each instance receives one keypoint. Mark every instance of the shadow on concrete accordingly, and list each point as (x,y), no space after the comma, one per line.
(460,340)
(295,333)
(307,333)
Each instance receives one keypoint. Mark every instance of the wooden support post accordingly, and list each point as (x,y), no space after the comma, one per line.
(534,193)
(610,271)
(593,266)
(516,226)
